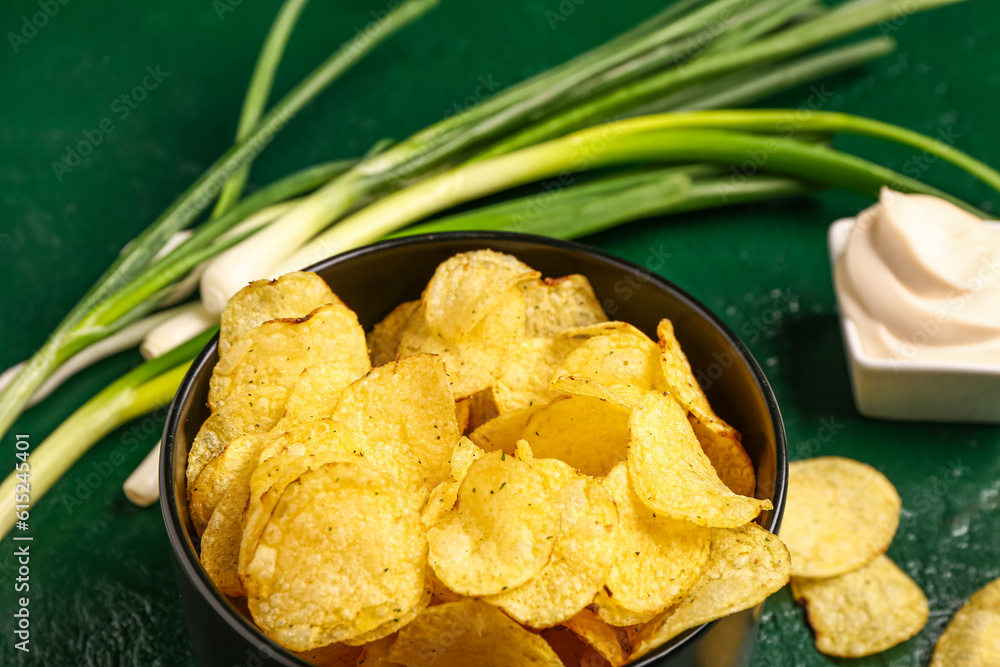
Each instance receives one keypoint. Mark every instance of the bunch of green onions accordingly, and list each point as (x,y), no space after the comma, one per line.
(628,129)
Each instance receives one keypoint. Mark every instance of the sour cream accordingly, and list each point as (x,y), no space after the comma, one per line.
(920,279)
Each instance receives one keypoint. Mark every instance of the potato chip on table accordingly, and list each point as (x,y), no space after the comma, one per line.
(972,638)
(840,515)
(863,612)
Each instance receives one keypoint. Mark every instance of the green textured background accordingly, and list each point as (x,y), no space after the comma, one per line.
(101,588)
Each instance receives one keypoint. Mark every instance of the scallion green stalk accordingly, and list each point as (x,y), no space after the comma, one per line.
(144,388)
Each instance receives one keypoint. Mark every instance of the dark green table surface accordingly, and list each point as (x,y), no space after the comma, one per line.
(101,588)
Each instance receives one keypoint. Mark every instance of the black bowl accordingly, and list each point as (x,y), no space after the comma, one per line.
(373,280)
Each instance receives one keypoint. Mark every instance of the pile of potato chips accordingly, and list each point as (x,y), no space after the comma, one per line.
(496,475)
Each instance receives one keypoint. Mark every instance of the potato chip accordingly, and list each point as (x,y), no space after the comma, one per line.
(671,473)
(267,483)
(840,515)
(463,455)
(619,366)
(728,458)
(501,531)
(220,543)
(466,286)
(383,341)
(524,381)
(972,638)
(556,304)
(501,433)
(333,655)
(587,433)
(656,561)
(316,393)
(682,383)
(341,554)
(256,410)
(480,356)
(310,439)
(744,567)
(289,296)
(600,636)
(239,458)
(458,634)
(566,644)
(581,557)
(403,416)
(863,612)
(276,352)
(394,624)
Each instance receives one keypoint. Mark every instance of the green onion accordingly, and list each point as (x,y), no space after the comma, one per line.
(145,388)
(70,336)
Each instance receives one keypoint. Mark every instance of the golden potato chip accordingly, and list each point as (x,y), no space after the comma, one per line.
(466,286)
(556,304)
(581,557)
(267,483)
(671,473)
(334,655)
(972,638)
(383,341)
(403,417)
(276,352)
(316,393)
(501,433)
(220,543)
(656,561)
(309,439)
(863,612)
(682,383)
(501,531)
(840,515)
(566,644)
(744,567)
(522,451)
(440,592)
(398,620)
(458,634)
(524,381)
(341,554)
(256,410)
(600,636)
(619,366)
(480,356)
(463,455)
(587,433)
(239,457)
(289,296)
(728,458)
